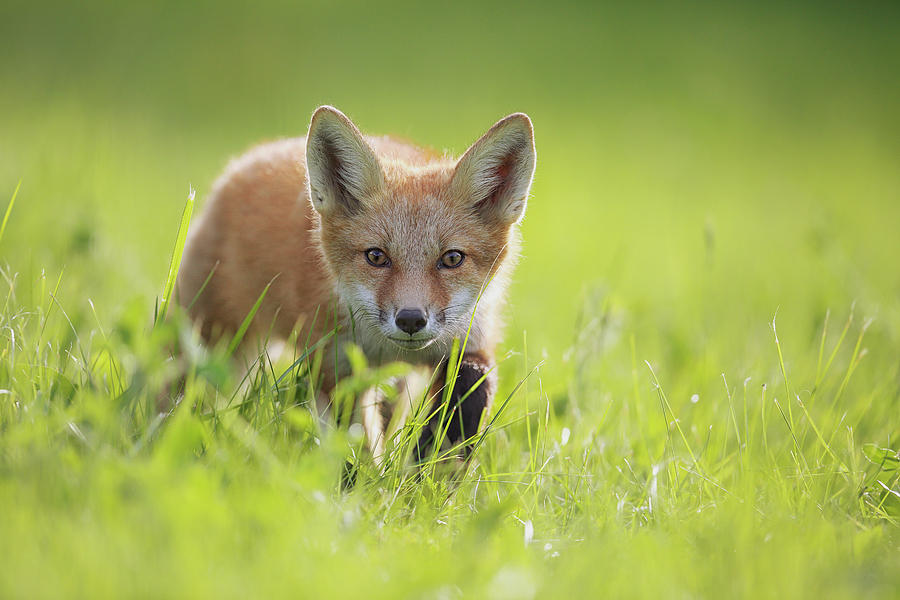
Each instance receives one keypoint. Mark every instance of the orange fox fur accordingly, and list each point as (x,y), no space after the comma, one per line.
(371,227)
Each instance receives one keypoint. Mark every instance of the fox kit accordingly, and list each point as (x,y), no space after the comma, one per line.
(395,243)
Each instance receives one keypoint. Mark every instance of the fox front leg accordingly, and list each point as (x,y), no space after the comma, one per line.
(472,393)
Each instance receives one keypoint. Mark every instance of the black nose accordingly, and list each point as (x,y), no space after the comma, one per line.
(411,320)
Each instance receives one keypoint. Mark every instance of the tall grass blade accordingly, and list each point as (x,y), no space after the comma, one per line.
(177,251)
(9,208)
(245,325)
(787,387)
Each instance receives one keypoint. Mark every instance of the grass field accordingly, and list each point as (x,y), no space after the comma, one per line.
(705,322)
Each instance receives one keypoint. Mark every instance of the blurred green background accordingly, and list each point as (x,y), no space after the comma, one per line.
(701,166)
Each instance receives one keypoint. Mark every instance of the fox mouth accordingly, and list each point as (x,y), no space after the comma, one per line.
(411,344)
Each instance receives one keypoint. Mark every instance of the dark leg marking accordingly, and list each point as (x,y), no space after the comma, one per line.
(461,419)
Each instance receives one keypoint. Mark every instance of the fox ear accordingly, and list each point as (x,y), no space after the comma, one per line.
(342,169)
(494,175)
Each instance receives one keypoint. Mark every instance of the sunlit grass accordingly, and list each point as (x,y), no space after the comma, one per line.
(175,263)
(241,479)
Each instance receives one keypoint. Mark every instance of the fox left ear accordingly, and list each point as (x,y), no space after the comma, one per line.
(342,169)
(495,173)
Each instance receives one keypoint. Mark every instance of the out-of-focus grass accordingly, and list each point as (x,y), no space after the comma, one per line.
(700,168)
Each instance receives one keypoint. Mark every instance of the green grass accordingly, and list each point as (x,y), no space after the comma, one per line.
(701,342)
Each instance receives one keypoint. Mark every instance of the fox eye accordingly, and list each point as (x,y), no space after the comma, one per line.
(377,258)
(452,259)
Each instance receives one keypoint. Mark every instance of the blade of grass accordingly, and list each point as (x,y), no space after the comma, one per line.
(675,420)
(854,361)
(531,456)
(819,435)
(9,208)
(737,430)
(822,346)
(787,387)
(177,252)
(203,287)
(245,325)
(837,347)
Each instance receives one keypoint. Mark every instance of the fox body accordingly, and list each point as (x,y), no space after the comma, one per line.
(404,249)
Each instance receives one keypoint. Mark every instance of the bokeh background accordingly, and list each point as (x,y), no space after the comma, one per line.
(702,167)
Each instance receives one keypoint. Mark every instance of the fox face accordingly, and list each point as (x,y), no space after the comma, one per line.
(412,244)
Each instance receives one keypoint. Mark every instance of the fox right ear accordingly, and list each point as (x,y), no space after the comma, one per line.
(342,169)
(494,175)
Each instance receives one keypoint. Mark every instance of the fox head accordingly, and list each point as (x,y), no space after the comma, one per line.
(413,242)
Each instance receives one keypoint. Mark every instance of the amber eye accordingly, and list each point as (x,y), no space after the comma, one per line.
(377,258)
(452,259)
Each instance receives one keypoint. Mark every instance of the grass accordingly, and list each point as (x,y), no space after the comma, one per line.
(174,266)
(699,385)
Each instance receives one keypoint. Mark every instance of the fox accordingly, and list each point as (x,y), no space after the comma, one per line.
(403,248)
